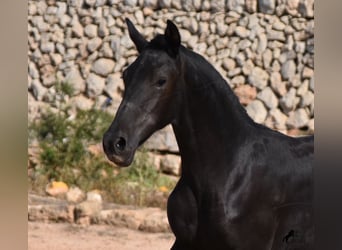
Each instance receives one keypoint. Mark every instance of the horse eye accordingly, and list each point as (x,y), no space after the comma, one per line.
(161,82)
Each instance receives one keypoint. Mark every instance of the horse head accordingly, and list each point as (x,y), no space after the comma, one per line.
(150,97)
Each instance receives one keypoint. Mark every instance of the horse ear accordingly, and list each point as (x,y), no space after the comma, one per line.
(139,41)
(172,36)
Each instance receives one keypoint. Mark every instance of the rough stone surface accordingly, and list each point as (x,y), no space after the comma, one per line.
(95,85)
(75,79)
(266,6)
(163,140)
(75,195)
(288,70)
(257,111)
(258,78)
(114,86)
(297,119)
(289,101)
(103,66)
(246,94)
(170,164)
(268,97)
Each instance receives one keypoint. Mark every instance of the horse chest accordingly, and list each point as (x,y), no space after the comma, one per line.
(210,222)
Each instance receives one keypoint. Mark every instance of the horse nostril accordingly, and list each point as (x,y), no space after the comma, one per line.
(120,144)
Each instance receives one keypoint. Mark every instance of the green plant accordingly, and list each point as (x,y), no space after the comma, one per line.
(66,155)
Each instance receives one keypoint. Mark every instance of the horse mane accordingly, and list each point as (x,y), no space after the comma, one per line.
(206,70)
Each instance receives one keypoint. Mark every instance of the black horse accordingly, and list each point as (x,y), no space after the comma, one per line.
(243,186)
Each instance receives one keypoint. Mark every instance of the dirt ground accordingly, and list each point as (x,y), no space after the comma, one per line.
(63,236)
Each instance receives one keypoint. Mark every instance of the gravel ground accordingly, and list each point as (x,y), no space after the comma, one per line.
(64,236)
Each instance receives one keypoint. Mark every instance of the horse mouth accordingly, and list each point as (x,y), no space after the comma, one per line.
(121,160)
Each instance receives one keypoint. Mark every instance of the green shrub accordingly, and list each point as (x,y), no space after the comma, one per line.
(65,156)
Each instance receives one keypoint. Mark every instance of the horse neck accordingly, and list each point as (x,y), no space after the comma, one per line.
(211,122)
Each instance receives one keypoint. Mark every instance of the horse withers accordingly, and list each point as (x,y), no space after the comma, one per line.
(243,186)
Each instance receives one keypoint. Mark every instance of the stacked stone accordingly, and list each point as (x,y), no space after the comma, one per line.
(264,48)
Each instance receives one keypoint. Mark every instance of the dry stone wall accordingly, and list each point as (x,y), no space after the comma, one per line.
(264,48)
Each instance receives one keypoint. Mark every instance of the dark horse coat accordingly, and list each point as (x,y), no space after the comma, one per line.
(243,186)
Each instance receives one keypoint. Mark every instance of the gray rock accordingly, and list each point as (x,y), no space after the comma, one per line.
(100,3)
(311,125)
(240,59)
(234,72)
(288,69)
(114,86)
(64,20)
(170,164)
(60,48)
(221,29)
(38,90)
(77,28)
(71,54)
(275,35)
(71,42)
(103,30)
(32,9)
(61,8)
(131,3)
(90,3)
(279,118)
(49,80)
(94,44)
(297,119)
(41,7)
(165,4)
(95,85)
(75,3)
(312,84)
(150,3)
(33,72)
(163,140)
(307,73)
(241,32)
(238,80)
(306,8)
(262,43)
(244,44)
(217,5)
(307,99)
(74,78)
(257,111)
(266,6)
(236,5)
(94,196)
(90,30)
(81,102)
(258,78)
(268,97)
(107,50)
(289,101)
(267,58)
(303,88)
(251,6)
(277,85)
(103,66)
(87,208)
(279,25)
(228,64)
(47,47)
(75,195)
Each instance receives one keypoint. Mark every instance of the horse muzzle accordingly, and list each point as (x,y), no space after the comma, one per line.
(117,150)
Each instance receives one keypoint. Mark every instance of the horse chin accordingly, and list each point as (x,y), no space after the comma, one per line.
(122,160)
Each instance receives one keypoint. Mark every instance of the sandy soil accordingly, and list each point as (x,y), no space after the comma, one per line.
(62,236)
